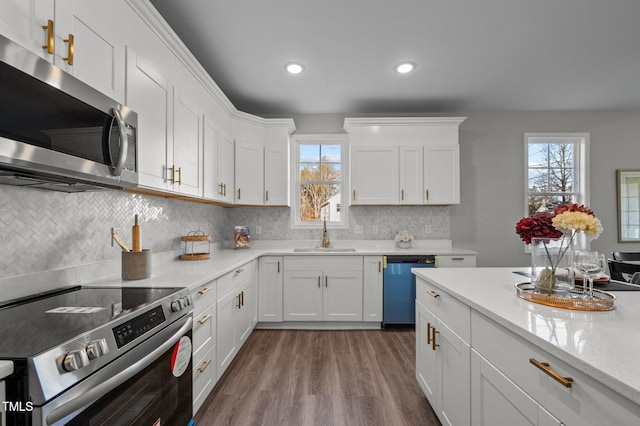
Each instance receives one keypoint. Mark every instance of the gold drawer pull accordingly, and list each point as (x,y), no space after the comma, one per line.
(205,290)
(204,366)
(434,345)
(204,319)
(239,270)
(429,327)
(544,366)
(70,49)
(49,45)
(432,293)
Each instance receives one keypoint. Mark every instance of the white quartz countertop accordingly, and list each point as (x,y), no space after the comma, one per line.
(604,345)
(170,271)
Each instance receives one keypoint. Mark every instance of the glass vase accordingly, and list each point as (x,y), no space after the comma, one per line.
(551,265)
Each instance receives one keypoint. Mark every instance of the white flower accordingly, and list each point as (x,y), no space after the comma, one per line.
(403,236)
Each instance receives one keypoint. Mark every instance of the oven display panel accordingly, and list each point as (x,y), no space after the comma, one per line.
(129,331)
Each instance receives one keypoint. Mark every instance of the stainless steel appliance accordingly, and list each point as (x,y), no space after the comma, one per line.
(99,356)
(399,289)
(57,132)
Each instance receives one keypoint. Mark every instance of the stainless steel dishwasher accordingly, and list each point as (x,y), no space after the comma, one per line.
(399,289)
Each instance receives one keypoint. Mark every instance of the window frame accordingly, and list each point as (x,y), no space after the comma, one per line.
(318,139)
(581,168)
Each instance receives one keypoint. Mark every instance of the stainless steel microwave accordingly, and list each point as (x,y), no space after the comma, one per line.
(56,132)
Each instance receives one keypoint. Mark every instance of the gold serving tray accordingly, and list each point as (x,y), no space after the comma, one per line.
(602,301)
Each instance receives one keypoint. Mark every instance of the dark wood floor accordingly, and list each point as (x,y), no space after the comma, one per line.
(301,377)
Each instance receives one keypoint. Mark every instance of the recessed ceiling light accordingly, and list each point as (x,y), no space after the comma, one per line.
(405,67)
(294,68)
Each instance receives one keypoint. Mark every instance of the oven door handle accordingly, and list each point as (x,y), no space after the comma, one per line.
(86,397)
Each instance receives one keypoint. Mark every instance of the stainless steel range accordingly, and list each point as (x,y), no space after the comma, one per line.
(96,355)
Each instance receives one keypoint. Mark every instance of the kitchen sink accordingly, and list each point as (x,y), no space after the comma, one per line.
(323,249)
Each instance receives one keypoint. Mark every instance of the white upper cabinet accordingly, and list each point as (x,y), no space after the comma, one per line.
(442,174)
(276,161)
(211,187)
(374,174)
(411,161)
(79,36)
(186,168)
(226,168)
(249,173)
(149,94)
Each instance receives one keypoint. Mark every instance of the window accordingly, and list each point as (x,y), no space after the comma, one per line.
(318,183)
(556,170)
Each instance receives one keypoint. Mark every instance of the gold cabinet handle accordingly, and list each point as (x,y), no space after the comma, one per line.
(544,366)
(402,194)
(429,327)
(432,293)
(179,175)
(204,366)
(70,48)
(384,262)
(173,173)
(50,38)
(225,189)
(205,290)
(266,196)
(434,345)
(239,270)
(278,266)
(427,195)
(239,302)
(204,319)
(326,281)
(354,195)
(379,266)
(318,281)
(221,192)
(242,299)
(238,193)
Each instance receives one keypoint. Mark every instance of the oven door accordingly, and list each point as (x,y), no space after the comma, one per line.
(149,385)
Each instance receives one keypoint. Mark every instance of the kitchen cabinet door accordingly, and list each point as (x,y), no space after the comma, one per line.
(249,173)
(342,295)
(411,174)
(497,400)
(270,284)
(426,364)
(149,94)
(442,174)
(211,188)
(372,289)
(276,175)
(374,174)
(246,313)
(454,375)
(22,22)
(226,168)
(227,344)
(186,168)
(302,299)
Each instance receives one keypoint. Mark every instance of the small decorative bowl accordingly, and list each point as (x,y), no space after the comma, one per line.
(404,244)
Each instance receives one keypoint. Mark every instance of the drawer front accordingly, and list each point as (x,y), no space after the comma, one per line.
(324,262)
(586,402)
(455,314)
(456,261)
(203,296)
(204,377)
(233,279)
(204,329)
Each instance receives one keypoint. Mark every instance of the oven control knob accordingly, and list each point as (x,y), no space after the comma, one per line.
(97,348)
(75,360)
(175,306)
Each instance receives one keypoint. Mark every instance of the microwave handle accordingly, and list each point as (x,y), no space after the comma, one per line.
(89,392)
(124,143)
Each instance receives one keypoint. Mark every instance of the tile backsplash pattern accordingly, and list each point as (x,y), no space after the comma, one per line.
(45,230)
(275,223)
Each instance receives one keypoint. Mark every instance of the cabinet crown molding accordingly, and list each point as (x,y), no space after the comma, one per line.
(401,121)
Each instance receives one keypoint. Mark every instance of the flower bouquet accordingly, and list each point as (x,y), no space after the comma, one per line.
(551,236)
(403,239)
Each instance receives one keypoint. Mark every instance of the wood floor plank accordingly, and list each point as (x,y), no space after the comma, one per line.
(313,377)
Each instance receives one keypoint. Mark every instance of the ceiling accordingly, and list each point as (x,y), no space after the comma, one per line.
(471,56)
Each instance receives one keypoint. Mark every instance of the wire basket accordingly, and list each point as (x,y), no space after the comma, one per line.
(194,243)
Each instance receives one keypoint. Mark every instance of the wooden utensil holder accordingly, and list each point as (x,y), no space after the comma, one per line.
(136,265)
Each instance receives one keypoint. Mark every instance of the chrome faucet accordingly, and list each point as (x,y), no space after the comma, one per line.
(325,235)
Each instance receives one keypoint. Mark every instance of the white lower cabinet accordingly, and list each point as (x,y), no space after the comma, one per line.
(270,282)
(322,288)
(442,368)
(237,313)
(372,289)
(204,342)
(497,400)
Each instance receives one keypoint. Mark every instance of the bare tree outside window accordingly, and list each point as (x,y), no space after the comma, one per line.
(552,172)
(320,181)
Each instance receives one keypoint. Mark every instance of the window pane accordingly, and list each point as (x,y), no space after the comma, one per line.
(319,201)
(538,180)
(537,202)
(309,153)
(330,153)
(537,155)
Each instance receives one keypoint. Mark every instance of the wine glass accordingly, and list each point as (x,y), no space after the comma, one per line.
(590,264)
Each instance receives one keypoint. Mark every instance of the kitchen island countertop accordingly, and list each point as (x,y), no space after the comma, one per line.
(604,345)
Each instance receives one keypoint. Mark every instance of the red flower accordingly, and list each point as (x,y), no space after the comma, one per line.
(539,225)
(572,208)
